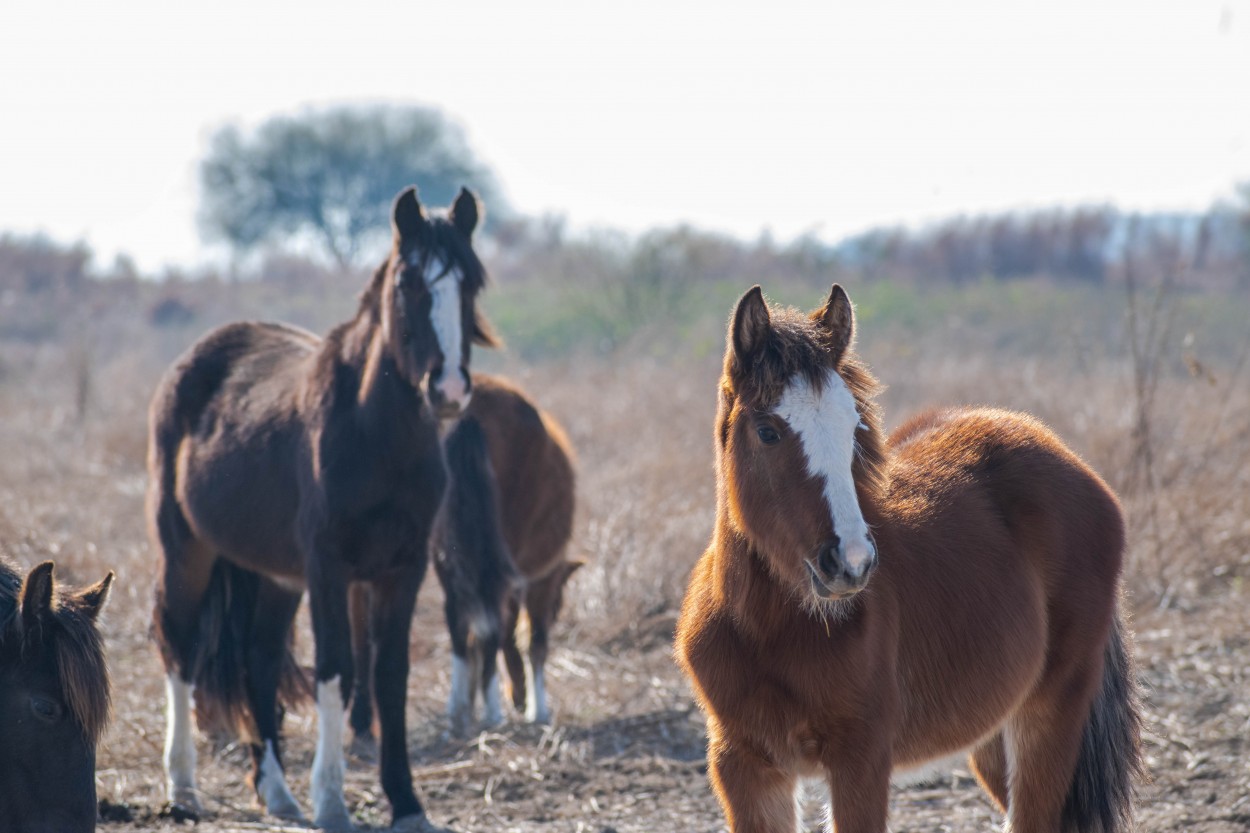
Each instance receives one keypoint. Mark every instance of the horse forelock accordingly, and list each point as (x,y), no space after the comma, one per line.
(71,636)
(82,667)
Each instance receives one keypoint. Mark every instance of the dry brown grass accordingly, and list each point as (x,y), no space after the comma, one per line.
(625,753)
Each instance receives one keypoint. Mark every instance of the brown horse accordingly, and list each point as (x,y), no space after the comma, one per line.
(54,702)
(867,607)
(278,460)
(501,545)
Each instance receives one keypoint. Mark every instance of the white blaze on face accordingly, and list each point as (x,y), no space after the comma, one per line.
(445,316)
(825,422)
(179,743)
(328,763)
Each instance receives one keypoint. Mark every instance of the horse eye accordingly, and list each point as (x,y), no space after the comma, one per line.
(45,709)
(768,435)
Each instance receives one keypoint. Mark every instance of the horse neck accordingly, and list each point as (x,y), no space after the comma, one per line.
(382,395)
(760,606)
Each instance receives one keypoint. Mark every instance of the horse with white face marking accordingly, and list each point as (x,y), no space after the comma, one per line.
(867,607)
(277,461)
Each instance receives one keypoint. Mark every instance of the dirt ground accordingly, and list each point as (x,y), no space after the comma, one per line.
(625,752)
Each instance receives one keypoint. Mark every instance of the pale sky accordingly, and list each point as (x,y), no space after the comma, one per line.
(784,115)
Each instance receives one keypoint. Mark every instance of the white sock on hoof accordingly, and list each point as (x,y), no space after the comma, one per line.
(179,741)
(536,710)
(328,764)
(494,702)
(272,788)
(460,700)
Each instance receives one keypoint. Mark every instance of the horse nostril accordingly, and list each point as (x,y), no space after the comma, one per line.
(828,560)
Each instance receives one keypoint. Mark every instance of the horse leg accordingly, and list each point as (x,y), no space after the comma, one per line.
(859,786)
(266,663)
(460,698)
(756,795)
(486,648)
(362,651)
(539,607)
(327,591)
(394,599)
(1043,743)
(187,569)
(512,653)
(989,764)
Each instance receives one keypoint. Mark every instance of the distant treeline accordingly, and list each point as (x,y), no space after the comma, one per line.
(626,282)
(1082,244)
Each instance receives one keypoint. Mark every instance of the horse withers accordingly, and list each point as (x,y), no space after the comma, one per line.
(279,461)
(867,607)
(54,701)
(501,547)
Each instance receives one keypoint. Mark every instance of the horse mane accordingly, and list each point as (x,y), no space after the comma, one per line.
(78,649)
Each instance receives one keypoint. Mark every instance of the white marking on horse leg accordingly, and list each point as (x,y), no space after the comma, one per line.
(494,703)
(179,742)
(1010,755)
(328,765)
(825,422)
(272,788)
(445,317)
(536,710)
(460,699)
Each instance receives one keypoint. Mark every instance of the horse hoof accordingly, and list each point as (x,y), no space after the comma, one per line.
(287,810)
(335,818)
(364,747)
(186,801)
(420,823)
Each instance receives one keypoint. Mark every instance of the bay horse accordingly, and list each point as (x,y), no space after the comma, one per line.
(279,461)
(54,701)
(501,546)
(867,606)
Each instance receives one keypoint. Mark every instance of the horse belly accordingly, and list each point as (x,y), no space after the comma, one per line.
(961,678)
(241,498)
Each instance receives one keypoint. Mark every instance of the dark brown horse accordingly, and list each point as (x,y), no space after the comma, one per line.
(501,546)
(279,461)
(54,702)
(867,607)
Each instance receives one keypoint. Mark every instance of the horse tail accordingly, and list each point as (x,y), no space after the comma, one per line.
(1100,799)
(226,629)
(479,563)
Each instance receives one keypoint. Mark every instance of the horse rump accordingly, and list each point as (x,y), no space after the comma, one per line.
(220,660)
(1100,799)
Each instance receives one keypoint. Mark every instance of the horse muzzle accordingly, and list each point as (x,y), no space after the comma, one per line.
(837,573)
(450,393)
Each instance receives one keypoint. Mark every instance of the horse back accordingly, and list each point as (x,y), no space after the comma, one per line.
(533,464)
(225,437)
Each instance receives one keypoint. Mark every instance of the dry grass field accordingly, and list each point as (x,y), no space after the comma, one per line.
(625,752)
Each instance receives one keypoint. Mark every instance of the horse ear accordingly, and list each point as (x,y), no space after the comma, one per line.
(752,323)
(407,217)
(37,594)
(93,598)
(837,317)
(465,212)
